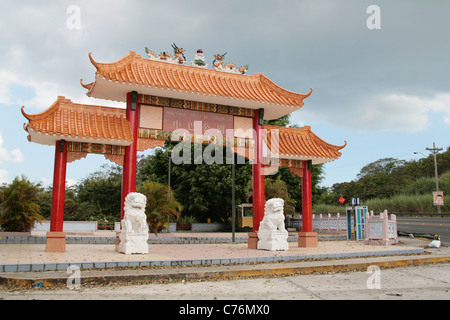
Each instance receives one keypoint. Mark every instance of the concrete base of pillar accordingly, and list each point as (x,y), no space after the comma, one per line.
(56,242)
(307,239)
(252,240)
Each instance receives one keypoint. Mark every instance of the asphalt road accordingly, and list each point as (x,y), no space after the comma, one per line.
(431,282)
(428,225)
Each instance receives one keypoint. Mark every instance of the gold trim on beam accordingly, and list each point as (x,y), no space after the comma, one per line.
(195,105)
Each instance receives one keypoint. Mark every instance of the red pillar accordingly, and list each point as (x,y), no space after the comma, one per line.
(258,180)
(130,157)
(307,238)
(306,198)
(59,187)
(258,173)
(56,238)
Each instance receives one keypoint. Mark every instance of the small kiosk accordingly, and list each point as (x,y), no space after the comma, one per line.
(245,219)
(356,222)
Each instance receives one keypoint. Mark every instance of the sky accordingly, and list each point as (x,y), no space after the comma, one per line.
(380,75)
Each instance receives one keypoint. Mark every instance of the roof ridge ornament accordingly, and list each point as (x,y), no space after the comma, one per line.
(229,67)
(199,60)
(167,57)
(179,54)
(178,57)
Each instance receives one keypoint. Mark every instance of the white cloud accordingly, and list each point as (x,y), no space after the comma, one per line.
(70,183)
(48,182)
(45,92)
(442,104)
(45,182)
(404,113)
(3,176)
(393,112)
(17,155)
(14,155)
(7,78)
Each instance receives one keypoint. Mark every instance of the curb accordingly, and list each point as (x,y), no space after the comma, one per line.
(127,279)
(165,240)
(62,266)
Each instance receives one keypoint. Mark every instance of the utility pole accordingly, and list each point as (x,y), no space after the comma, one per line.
(434,151)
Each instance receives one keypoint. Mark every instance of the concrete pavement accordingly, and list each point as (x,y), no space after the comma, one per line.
(27,265)
(232,296)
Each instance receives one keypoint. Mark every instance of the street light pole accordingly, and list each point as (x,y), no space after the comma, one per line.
(434,151)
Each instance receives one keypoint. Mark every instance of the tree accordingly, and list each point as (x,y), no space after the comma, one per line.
(389,177)
(277,188)
(19,208)
(282,122)
(154,167)
(204,190)
(294,184)
(161,205)
(381,166)
(99,195)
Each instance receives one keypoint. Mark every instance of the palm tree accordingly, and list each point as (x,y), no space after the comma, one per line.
(161,207)
(19,208)
(274,188)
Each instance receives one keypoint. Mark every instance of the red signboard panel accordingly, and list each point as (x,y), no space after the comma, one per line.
(184,119)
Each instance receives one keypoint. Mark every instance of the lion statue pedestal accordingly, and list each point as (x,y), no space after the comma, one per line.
(272,234)
(134,234)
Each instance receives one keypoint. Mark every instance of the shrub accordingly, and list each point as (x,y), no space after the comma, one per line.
(19,205)
(162,207)
(328,208)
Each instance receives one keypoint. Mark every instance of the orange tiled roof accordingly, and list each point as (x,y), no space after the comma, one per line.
(78,122)
(301,144)
(182,81)
(99,124)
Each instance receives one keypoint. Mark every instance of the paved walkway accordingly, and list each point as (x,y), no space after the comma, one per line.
(101,262)
(32,257)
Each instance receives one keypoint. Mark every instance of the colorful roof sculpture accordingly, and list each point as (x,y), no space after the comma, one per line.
(300,144)
(79,123)
(180,81)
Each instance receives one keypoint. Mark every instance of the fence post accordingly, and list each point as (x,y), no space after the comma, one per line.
(385,228)
(367,227)
(339,222)
(394,224)
(329,222)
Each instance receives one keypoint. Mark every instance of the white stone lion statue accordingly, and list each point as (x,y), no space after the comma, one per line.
(134,234)
(272,234)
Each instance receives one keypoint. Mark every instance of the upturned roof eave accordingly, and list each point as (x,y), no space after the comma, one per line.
(127,73)
(50,139)
(43,129)
(317,150)
(105,89)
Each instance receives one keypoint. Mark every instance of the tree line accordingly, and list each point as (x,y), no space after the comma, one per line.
(393,179)
(201,191)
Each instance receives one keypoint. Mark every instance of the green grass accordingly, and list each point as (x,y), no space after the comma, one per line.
(404,203)
(400,203)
